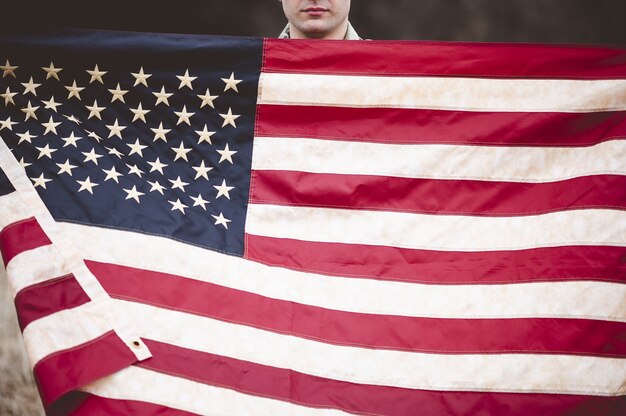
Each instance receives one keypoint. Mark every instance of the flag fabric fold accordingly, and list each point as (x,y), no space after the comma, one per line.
(213,225)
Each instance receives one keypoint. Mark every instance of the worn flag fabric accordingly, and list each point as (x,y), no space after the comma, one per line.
(236,226)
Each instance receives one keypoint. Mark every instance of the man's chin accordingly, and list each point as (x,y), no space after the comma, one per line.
(315,29)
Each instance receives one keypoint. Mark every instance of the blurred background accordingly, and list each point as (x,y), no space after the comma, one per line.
(560,21)
(553,21)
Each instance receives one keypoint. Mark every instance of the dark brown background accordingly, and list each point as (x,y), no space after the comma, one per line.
(563,21)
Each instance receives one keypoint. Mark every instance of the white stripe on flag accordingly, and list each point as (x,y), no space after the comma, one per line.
(134,383)
(62,330)
(445,93)
(551,373)
(438,232)
(490,163)
(35,266)
(580,299)
(12,209)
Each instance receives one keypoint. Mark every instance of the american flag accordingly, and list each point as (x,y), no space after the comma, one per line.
(237,226)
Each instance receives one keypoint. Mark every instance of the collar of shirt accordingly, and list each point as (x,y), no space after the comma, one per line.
(350,33)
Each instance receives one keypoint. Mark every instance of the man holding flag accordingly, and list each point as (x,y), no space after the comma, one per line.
(236,226)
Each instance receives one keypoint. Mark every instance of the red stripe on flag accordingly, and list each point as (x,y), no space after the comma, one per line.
(46,298)
(566,336)
(450,59)
(90,405)
(21,236)
(70,369)
(456,197)
(551,264)
(418,126)
(312,391)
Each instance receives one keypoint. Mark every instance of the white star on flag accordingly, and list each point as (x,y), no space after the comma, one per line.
(157,165)
(8,97)
(115,129)
(223,189)
(93,135)
(91,156)
(96,75)
(231,83)
(183,116)
(45,151)
(181,152)
(30,87)
(157,187)
(141,77)
(202,170)
(71,140)
(74,91)
(204,135)
(207,99)
(66,167)
(139,113)
(226,154)
(229,118)
(113,151)
(185,80)
(112,174)
(51,126)
(160,132)
(133,193)
(178,206)
(39,181)
(162,97)
(25,137)
(199,201)
(178,183)
(220,220)
(29,110)
(135,169)
(72,118)
(8,124)
(51,71)
(118,94)
(95,110)
(51,104)
(24,165)
(8,69)
(87,185)
(136,148)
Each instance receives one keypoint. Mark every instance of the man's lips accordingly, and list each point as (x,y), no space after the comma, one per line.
(315,11)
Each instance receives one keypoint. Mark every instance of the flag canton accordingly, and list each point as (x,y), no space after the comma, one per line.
(117,132)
